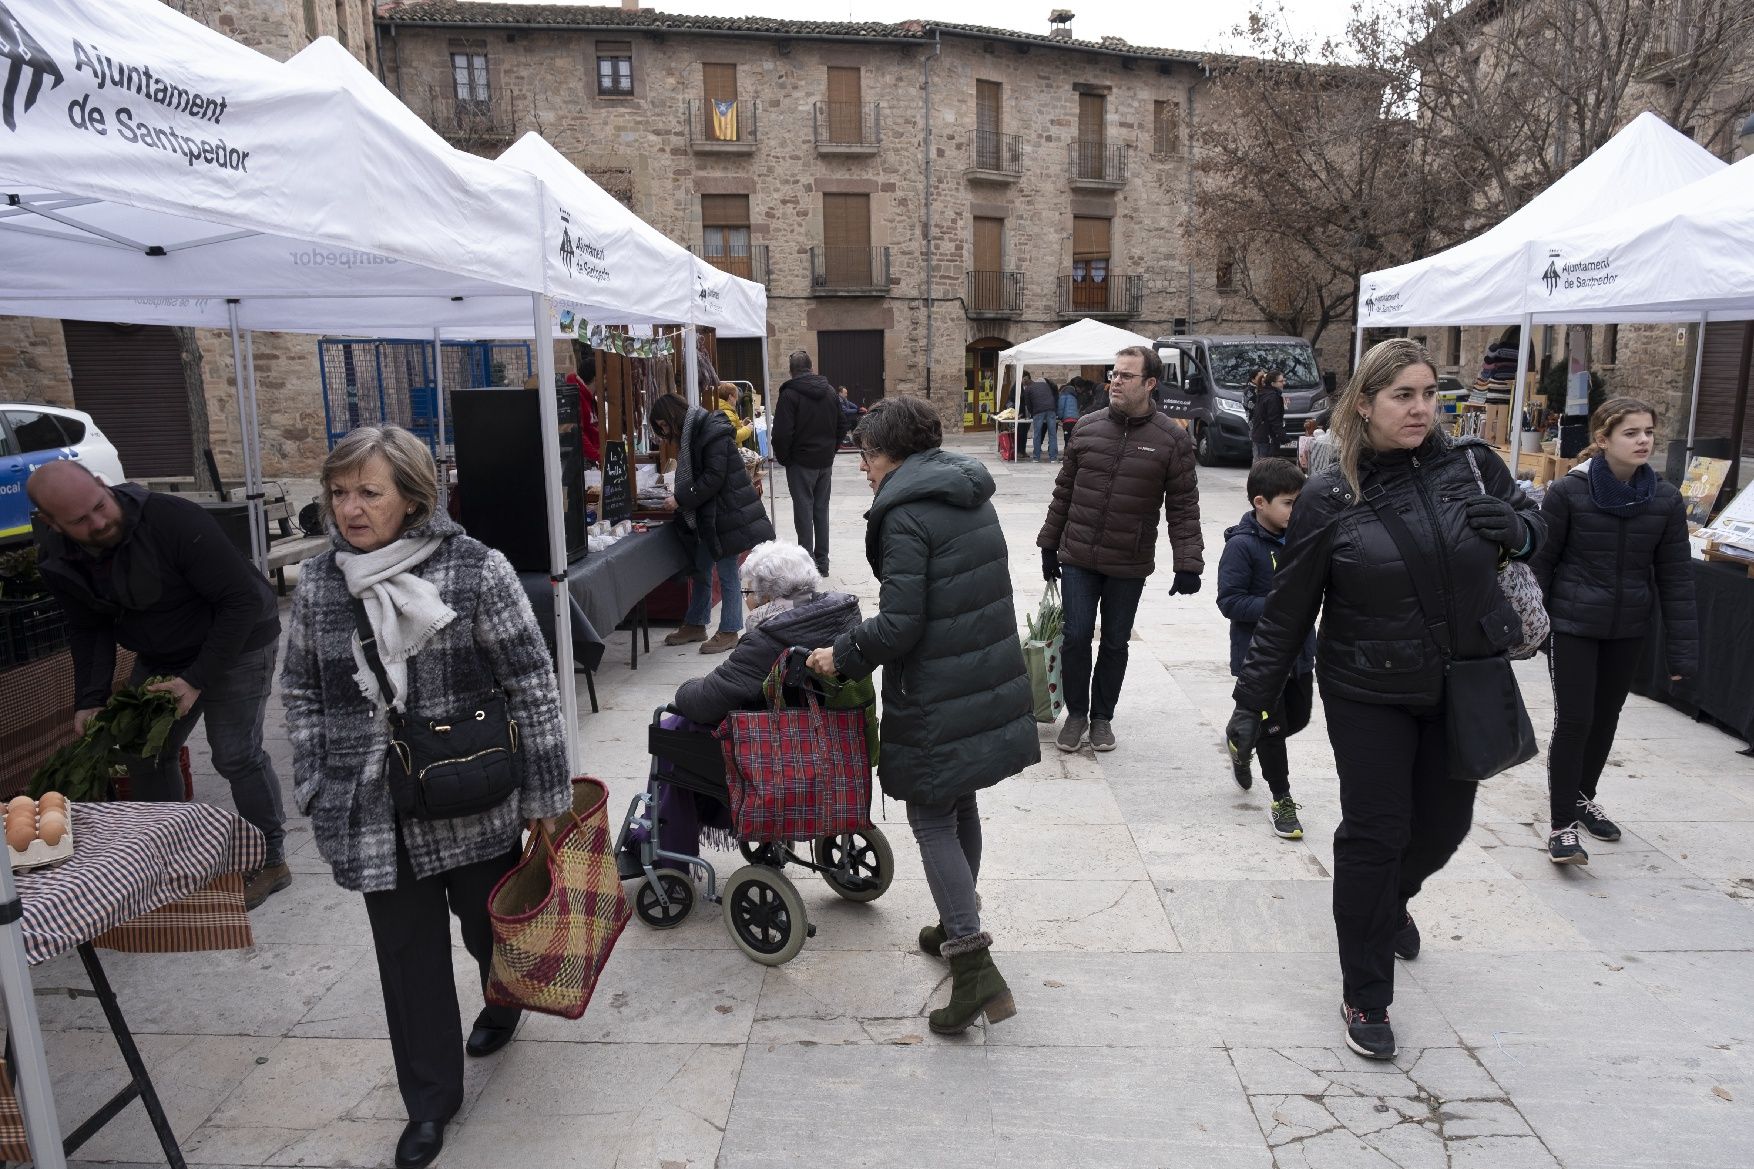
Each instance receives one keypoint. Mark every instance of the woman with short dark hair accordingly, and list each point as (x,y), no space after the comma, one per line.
(957,714)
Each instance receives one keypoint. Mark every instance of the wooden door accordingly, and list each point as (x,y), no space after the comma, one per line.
(846,240)
(1092,108)
(987,292)
(1090,257)
(845,113)
(989,124)
(853,358)
(720,87)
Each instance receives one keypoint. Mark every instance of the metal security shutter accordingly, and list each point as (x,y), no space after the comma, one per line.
(130,379)
(853,358)
(740,361)
(1717,387)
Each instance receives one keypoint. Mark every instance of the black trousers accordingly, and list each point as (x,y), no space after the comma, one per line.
(1290,715)
(1591,678)
(1401,819)
(411,931)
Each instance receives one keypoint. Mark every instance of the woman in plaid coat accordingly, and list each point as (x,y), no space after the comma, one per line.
(452,624)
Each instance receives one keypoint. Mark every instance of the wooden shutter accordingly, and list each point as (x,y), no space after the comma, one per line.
(725,233)
(853,358)
(845,115)
(724,210)
(1165,127)
(720,82)
(846,240)
(1717,388)
(989,107)
(1091,108)
(130,380)
(989,244)
(1090,238)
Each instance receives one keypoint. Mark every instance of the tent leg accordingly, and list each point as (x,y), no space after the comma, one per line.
(240,380)
(768,486)
(438,444)
(1518,398)
(1693,401)
(253,490)
(30,1069)
(543,311)
(691,364)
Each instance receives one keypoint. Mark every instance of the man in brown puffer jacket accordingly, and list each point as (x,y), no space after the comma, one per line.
(1100,538)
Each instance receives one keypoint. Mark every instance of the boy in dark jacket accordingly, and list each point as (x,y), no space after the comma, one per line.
(1245,576)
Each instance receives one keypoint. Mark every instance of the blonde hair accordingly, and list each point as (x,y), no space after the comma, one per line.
(411,467)
(1382,364)
(1611,414)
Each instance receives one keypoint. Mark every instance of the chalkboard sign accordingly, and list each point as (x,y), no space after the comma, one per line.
(617,482)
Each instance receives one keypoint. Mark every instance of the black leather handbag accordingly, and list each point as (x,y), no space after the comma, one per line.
(1486,727)
(442,768)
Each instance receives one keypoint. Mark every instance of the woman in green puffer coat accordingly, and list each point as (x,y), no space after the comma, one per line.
(957,714)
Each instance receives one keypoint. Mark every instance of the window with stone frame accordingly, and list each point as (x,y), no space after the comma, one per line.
(725,242)
(469,77)
(1166,128)
(615,68)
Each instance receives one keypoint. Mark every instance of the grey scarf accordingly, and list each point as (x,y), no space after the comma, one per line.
(685,460)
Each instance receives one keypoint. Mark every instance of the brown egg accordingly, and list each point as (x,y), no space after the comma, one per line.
(21,817)
(21,804)
(52,827)
(52,802)
(19,834)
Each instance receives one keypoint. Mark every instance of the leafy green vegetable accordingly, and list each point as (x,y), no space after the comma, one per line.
(1049,619)
(134,724)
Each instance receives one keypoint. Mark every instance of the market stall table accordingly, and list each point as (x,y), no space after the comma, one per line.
(143,878)
(1723,690)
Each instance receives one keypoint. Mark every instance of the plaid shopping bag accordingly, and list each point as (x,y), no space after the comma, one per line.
(557,914)
(796,773)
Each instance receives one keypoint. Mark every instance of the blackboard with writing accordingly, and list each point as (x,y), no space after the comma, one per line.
(617,482)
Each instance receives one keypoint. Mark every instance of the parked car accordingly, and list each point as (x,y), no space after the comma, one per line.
(31,435)
(1204,377)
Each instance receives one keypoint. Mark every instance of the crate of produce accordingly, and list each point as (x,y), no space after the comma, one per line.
(30,629)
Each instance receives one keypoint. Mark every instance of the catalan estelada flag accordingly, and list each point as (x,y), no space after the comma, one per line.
(725,120)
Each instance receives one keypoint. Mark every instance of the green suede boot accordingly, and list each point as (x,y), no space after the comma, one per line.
(932,939)
(976,987)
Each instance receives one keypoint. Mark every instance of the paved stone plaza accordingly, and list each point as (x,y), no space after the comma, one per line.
(1173,963)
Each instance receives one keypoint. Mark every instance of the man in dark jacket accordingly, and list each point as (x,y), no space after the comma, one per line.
(806,431)
(1039,400)
(155,574)
(1122,466)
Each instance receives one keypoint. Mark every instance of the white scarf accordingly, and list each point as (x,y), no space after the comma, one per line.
(403,610)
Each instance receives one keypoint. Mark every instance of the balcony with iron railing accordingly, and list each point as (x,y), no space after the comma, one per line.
(1669,49)
(998,158)
(470,123)
(1112,295)
(722,127)
(847,127)
(994,294)
(839,271)
(1098,166)
(746,260)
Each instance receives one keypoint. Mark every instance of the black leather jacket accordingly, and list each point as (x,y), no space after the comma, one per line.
(1374,644)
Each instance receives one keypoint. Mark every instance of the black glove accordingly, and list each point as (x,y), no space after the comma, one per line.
(1050,564)
(1186,583)
(1242,733)
(1497,521)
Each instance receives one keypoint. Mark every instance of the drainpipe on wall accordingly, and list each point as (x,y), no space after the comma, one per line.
(926,118)
(1189,243)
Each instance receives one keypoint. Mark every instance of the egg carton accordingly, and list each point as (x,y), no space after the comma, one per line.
(40,855)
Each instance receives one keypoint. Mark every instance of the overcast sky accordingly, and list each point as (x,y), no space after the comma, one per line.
(1172,24)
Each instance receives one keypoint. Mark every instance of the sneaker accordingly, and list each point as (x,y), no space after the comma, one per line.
(1589,814)
(265,882)
(1368,1032)
(718,643)
(1102,735)
(1563,848)
(1407,938)
(1072,733)
(686,634)
(1285,822)
(1239,769)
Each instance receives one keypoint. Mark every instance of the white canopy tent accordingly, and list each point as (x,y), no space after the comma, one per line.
(1083,342)
(1482,281)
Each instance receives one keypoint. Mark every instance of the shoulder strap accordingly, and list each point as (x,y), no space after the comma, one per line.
(1418,566)
(368,644)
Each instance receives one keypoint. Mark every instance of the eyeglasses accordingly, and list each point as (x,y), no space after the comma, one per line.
(1122,376)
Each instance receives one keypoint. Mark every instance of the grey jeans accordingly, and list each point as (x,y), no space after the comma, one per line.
(949,836)
(809,487)
(233,706)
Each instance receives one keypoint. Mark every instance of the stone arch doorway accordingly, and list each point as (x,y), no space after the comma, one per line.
(980,393)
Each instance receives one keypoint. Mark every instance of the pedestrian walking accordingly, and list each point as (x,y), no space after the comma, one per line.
(1253,549)
(1039,400)
(148,572)
(1616,548)
(957,712)
(806,433)
(1123,466)
(1267,413)
(1380,665)
(450,631)
(720,516)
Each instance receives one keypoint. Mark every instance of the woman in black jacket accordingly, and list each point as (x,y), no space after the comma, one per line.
(957,715)
(1616,546)
(1267,419)
(721,516)
(1378,663)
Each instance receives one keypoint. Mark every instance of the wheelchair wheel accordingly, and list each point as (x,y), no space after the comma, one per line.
(857,865)
(765,915)
(772,855)
(678,890)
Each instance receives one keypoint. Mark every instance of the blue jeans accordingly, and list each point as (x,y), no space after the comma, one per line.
(1093,694)
(700,591)
(949,836)
(1045,423)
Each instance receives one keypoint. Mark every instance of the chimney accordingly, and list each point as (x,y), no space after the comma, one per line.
(630,5)
(1061,21)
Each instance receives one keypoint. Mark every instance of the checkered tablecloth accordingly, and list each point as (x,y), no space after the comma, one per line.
(145,878)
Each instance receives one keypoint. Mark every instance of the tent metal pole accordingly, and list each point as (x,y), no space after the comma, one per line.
(691,364)
(238,381)
(30,1069)
(253,468)
(1517,396)
(1357,346)
(1693,402)
(768,486)
(543,312)
(438,394)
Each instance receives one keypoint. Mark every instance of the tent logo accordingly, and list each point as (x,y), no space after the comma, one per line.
(22,53)
(1551,276)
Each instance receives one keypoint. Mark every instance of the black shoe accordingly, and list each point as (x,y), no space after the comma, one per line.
(1239,769)
(1285,821)
(1589,814)
(488,1037)
(1407,938)
(1563,848)
(420,1144)
(1368,1032)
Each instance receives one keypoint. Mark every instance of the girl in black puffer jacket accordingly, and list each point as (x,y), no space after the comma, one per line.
(1379,668)
(1616,546)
